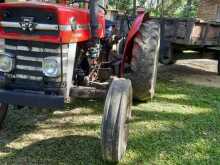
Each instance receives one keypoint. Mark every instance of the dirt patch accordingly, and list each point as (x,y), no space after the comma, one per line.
(199,72)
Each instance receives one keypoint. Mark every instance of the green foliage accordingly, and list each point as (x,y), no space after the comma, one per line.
(187,11)
(170,8)
(121,4)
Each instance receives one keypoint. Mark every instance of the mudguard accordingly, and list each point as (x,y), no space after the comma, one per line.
(127,55)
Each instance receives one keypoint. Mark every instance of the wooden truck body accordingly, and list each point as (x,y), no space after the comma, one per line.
(199,38)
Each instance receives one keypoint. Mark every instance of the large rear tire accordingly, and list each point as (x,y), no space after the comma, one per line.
(144,61)
(3,112)
(117,111)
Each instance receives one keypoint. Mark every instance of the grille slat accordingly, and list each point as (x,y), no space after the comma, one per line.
(35,49)
(29,73)
(26,58)
(28,63)
(28,68)
(29,77)
(32,54)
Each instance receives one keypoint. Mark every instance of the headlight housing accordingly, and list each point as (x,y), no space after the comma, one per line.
(52,66)
(6,63)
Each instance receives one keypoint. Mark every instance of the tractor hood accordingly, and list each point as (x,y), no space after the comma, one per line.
(46,22)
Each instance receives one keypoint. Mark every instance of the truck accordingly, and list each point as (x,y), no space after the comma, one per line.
(179,35)
(191,38)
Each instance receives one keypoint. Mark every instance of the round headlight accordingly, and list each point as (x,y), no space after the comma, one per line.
(6,63)
(51,67)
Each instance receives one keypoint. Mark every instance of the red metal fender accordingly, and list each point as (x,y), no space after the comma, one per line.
(127,56)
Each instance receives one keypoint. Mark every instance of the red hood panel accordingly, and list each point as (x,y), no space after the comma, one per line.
(63,14)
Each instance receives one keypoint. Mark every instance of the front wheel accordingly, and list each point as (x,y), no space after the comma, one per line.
(117,112)
(3,112)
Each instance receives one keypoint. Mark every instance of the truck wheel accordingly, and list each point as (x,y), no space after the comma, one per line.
(3,112)
(117,110)
(167,57)
(144,61)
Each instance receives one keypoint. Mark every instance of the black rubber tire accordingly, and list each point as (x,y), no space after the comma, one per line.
(3,112)
(168,56)
(144,61)
(117,111)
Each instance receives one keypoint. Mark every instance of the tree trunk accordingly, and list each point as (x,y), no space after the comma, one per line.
(188,7)
(134,7)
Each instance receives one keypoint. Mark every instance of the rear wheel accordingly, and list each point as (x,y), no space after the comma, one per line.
(117,112)
(144,61)
(3,112)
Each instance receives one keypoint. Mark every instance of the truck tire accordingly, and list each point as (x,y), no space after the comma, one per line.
(117,111)
(3,112)
(168,56)
(144,61)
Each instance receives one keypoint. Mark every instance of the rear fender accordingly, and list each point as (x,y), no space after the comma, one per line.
(127,55)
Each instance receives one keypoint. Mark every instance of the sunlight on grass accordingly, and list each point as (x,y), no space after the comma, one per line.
(179,126)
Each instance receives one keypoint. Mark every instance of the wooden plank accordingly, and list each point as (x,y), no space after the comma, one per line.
(204,37)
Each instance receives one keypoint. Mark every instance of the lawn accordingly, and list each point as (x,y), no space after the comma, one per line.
(181,125)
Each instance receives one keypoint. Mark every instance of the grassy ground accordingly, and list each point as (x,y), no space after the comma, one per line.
(180,126)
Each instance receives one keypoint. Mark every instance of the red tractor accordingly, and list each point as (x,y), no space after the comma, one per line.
(52,53)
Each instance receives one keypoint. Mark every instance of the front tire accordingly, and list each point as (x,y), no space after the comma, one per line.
(3,112)
(144,61)
(117,112)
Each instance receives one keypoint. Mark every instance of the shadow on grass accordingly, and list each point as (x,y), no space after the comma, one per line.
(168,71)
(66,150)
(96,105)
(24,121)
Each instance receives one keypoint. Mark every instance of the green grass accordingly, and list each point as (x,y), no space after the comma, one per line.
(180,126)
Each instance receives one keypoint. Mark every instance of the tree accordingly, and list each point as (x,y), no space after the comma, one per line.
(171,8)
(120,4)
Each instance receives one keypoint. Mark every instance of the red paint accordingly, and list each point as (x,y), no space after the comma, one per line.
(64,14)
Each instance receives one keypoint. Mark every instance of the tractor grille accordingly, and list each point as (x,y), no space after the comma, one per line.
(28,72)
(39,16)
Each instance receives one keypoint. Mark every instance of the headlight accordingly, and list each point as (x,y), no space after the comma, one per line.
(6,63)
(51,67)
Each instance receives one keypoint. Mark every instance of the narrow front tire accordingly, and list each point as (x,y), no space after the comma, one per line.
(117,111)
